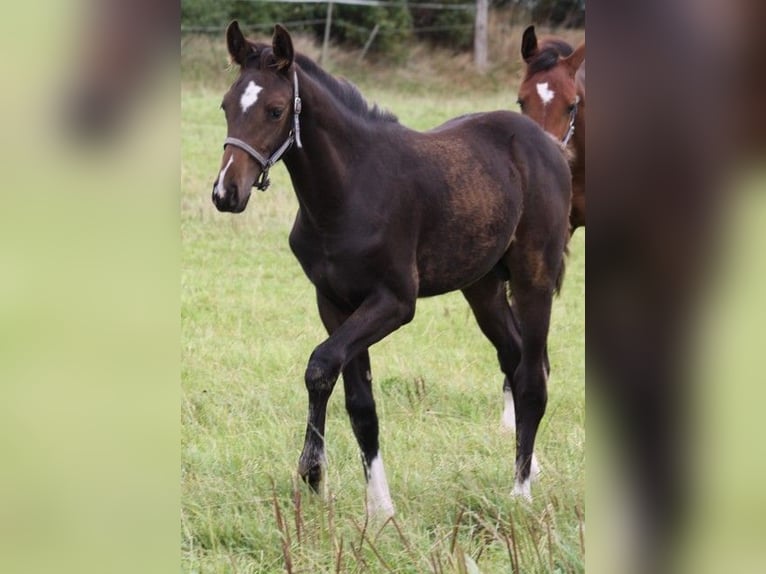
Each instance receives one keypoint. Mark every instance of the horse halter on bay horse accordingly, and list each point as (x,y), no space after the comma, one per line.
(571,127)
(263,181)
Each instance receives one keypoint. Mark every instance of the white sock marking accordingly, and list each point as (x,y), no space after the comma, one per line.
(534,468)
(523,490)
(249,96)
(508,420)
(378,498)
(219,189)
(546,94)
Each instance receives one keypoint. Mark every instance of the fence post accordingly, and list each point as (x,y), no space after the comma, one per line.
(369,41)
(480,36)
(326,41)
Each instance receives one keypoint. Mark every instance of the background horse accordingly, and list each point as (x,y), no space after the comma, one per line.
(553,94)
(387,215)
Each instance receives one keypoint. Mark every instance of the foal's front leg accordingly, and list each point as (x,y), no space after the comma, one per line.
(380,314)
(360,405)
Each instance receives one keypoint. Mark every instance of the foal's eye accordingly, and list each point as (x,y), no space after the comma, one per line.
(571,108)
(275,113)
(521,103)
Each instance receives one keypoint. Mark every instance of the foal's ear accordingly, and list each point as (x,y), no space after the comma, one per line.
(575,59)
(528,44)
(282,46)
(239,48)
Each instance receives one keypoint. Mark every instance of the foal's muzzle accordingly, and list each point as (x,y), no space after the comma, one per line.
(230,200)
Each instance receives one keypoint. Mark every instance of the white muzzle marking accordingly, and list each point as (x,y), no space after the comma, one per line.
(220,191)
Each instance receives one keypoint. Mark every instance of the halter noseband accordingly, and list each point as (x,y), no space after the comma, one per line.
(294,136)
(571,128)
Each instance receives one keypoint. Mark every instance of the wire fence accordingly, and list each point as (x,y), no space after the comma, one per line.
(384,30)
(381,3)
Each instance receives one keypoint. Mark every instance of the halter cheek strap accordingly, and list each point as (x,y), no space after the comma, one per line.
(571,128)
(266,162)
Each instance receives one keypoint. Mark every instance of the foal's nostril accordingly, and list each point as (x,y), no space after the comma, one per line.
(232,195)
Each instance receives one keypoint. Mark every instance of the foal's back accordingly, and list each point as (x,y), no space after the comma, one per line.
(472,181)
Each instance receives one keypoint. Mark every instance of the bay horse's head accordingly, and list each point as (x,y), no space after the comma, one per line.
(261,109)
(548,92)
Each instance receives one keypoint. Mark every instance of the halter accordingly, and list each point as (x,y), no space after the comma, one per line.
(263,180)
(571,128)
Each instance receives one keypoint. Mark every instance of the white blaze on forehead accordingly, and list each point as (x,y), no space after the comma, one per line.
(219,189)
(249,96)
(545,93)
(378,498)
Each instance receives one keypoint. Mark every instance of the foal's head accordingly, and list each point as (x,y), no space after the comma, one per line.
(548,92)
(259,109)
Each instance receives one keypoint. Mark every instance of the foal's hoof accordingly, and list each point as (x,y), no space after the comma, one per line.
(522,490)
(312,476)
(379,510)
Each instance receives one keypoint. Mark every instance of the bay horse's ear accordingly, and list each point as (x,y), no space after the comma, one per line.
(575,59)
(282,45)
(528,44)
(239,48)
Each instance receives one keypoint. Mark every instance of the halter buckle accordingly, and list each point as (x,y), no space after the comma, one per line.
(263,180)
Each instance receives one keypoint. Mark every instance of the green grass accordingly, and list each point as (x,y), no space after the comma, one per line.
(249,323)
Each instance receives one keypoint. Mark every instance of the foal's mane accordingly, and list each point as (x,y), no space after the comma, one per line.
(344,91)
(262,57)
(548,55)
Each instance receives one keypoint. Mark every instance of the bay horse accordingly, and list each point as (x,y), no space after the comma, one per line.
(552,93)
(386,215)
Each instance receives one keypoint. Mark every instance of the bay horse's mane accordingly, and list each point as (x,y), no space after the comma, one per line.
(548,55)
(342,90)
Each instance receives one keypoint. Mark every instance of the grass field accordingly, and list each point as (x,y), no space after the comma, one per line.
(249,323)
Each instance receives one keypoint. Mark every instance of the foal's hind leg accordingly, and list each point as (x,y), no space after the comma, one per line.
(489,303)
(533,283)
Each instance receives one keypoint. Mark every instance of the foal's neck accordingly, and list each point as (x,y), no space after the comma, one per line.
(332,146)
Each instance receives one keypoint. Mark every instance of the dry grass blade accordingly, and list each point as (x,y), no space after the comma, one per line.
(514,566)
(459,555)
(339,557)
(382,527)
(581,526)
(359,559)
(331,519)
(535,540)
(298,512)
(284,532)
(405,542)
(455,530)
(363,530)
(364,537)
(432,560)
(550,542)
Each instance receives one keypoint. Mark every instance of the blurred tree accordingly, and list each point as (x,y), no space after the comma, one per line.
(352,24)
